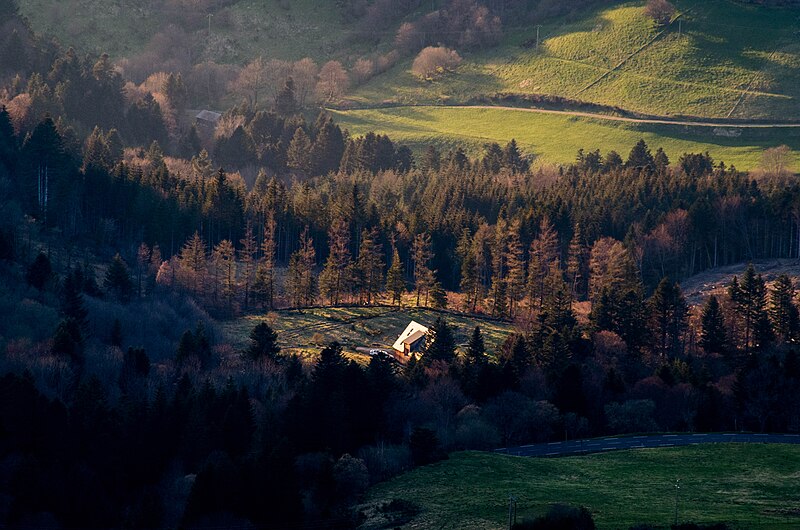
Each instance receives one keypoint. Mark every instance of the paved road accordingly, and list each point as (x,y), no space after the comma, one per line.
(598,445)
(654,121)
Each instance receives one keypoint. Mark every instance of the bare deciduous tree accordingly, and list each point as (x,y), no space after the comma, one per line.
(333,82)
(435,60)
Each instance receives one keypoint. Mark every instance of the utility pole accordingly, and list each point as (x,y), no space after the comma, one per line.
(677,490)
(209,23)
(538,27)
(680,27)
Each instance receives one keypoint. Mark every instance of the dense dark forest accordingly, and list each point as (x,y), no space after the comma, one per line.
(126,231)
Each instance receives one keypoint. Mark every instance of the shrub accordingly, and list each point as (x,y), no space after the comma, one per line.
(635,415)
(560,517)
(660,10)
(433,61)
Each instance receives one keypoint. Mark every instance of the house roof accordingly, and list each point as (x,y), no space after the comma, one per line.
(208,115)
(413,332)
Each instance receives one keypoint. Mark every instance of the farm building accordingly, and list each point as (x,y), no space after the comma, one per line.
(411,340)
(207,119)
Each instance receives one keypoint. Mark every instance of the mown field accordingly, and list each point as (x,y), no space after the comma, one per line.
(749,486)
(718,59)
(306,332)
(557,138)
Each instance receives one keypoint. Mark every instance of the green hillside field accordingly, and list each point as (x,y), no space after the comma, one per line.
(306,332)
(556,138)
(748,486)
(718,59)
(247,29)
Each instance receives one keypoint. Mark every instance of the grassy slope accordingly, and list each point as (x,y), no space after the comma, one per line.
(724,51)
(754,486)
(355,327)
(257,28)
(556,138)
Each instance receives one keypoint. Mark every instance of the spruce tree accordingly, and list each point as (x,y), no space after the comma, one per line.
(395,283)
(72,300)
(370,266)
(783,311)
(750,304)
(440,344)
(476,349)
(263,343)
(118,281)
(713,337)
(298,155)
(668,311)
(335,278)
(424,277)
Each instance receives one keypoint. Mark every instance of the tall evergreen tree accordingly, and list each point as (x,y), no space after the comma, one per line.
(193,263)
(72,305)
(247,256)
(440,344)
(336,277)
(298,155)
(395,281)
(668,321)
(783,310)
(424,276)
(370,266)
(263,343)
(118,280)
(750,305)
(713,337)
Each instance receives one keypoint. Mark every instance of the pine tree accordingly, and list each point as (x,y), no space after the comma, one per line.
(335,279)
(264,285)
(640,158)
(713,338)
(247,255)
(142,266)
(783,311)
(576,264)
(395,282)
(440,344)
(500,269)
(515,263)
(469,274)
(543,253)
(285,102)
(669,312)
(438,296)
(224,259)
(298,154)
(118,280)
(370,266)
(72,300)
(68,340)
(750,305)
(476,349)
(301,282)
(193,264)
(263,343)
(424,277)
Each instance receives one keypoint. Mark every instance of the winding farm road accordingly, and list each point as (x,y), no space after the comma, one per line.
(600,445)
(598,116)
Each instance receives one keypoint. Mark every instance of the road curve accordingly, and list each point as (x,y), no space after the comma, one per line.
(600,445)
(608,117)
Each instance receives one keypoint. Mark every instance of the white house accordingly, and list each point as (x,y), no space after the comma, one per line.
(412,339)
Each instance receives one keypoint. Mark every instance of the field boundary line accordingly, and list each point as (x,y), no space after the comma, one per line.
(608,117)
(632,55)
